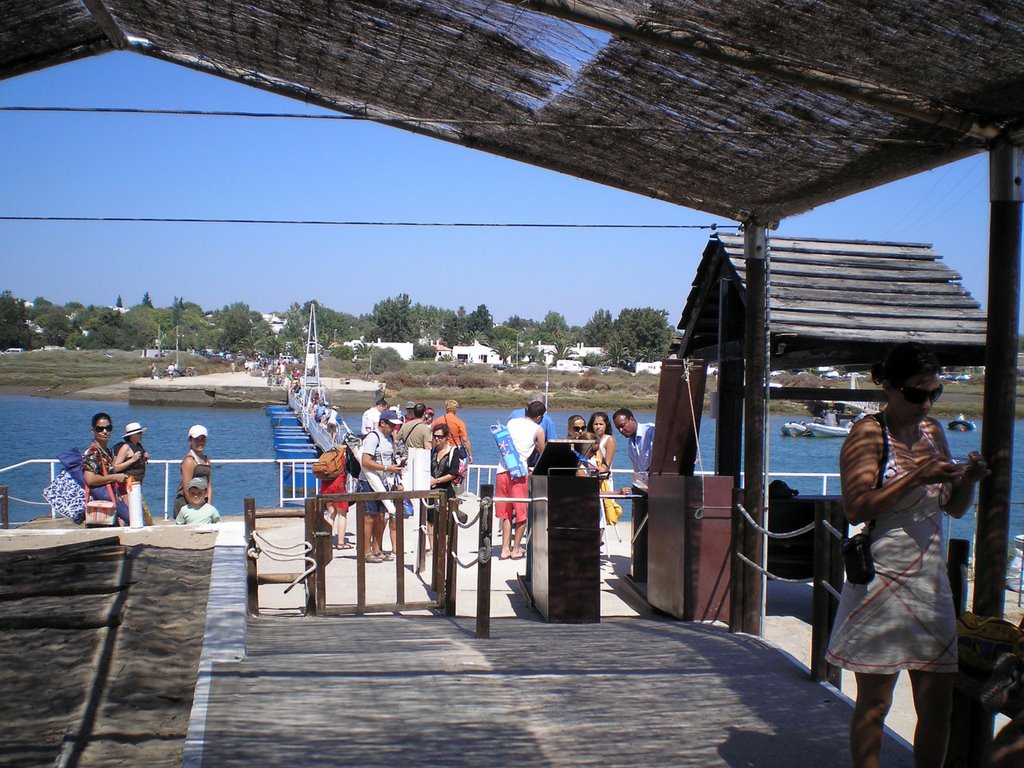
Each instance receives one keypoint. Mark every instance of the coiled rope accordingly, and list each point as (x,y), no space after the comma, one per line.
(260,545)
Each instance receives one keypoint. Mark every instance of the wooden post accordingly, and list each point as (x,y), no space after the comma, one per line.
(826,556)
(362,545)
(451,568)
(399,551)
(738,569)
(957,560)
(729,423)
(252,585)
(483,570)
(5,515)
(755,351)
(314,581)
(992,539)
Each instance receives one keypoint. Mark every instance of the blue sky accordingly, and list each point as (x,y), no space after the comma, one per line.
(228,167)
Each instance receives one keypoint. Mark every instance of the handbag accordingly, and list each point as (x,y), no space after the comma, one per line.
(860,566)
(66,497)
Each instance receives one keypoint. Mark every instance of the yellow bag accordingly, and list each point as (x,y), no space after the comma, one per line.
(981,640)
(612,508)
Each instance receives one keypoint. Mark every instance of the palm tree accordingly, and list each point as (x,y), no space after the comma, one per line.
(617,354)
(564,348)
(505,348)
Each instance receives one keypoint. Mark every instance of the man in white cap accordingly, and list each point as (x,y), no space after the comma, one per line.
(379,474)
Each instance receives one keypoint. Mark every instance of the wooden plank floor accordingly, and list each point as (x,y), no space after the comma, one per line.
(422,691)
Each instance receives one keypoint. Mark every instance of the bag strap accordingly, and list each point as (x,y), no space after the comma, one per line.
(880,418)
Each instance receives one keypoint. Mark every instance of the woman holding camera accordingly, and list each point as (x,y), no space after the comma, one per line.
(898,479)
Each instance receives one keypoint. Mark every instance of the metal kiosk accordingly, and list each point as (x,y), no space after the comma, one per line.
(565,545)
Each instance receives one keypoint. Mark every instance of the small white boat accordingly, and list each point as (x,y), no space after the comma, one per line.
(828,430)
(794,429)
(961,424)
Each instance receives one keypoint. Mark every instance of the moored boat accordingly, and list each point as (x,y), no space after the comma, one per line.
(828,430)
(961,424)
(794,429)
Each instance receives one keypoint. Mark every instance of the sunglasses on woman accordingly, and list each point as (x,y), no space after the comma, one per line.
(916,396)
(104,428)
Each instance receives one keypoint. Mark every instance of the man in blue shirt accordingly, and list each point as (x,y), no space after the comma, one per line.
(546,423)
(641,440)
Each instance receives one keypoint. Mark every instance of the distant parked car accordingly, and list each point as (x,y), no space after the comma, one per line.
(13,350)
(501,367)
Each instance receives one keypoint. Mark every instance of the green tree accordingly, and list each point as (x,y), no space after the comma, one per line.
(504,347)
(598,329)
(105,330)
(14,329)
(146,301)
(55,324)
(563,346)
(119,304)
(241,328)
(479,323)
(393,319)
(271,346)
(644,331)
(617,354)
(553,323)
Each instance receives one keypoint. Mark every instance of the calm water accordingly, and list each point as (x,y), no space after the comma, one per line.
(47,427)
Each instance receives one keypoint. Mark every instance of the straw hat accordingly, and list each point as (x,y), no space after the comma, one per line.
(134,428)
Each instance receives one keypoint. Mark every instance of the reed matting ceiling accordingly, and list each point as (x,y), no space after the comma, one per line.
(750,108)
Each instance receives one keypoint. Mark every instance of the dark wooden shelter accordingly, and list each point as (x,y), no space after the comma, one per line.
(833,302)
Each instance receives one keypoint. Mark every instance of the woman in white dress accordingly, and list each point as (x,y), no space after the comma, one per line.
(898,478)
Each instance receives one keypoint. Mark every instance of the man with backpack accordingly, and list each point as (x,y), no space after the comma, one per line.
(380,470)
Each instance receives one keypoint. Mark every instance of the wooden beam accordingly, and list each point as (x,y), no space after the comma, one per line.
(101,16)
(999,404)
(755,417)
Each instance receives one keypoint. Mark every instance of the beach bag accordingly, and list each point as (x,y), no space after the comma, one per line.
(66,497)
(330,464)
(612,508)
(982,640)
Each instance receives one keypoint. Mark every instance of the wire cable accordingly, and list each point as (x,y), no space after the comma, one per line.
(334,223)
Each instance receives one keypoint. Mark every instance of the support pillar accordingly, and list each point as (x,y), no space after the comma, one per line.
(755,353)
(992,540)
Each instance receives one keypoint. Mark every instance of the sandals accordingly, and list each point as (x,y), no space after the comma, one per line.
(387,556)
(375,557)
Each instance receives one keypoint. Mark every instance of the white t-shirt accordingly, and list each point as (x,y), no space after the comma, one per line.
(371,418)
(382,451)
(523,432)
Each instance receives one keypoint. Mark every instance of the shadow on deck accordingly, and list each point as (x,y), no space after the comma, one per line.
(392,690)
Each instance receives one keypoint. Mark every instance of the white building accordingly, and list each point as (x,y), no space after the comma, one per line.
(403,348)
(472,354)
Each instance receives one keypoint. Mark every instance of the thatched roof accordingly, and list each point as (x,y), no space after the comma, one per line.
(834,302)
(743,108)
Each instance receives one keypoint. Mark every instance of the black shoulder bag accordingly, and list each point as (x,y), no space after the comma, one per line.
(860,566)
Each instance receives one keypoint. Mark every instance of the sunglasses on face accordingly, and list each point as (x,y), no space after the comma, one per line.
(106,428)
(916,396)
(439,437)
(578,429)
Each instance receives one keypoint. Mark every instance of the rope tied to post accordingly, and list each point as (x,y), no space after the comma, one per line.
(260,545)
